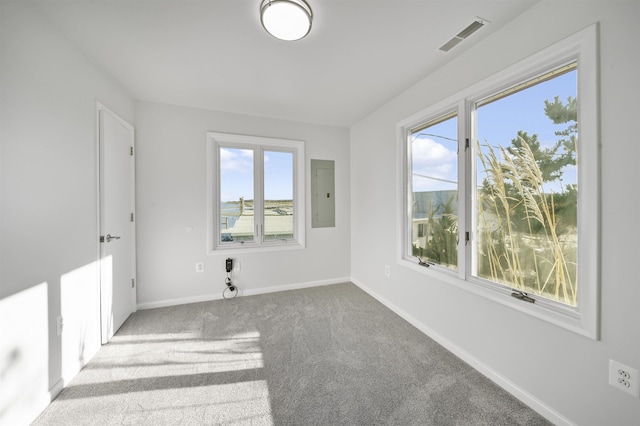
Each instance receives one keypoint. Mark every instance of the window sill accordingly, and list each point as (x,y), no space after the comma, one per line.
(568,318)
(251,248)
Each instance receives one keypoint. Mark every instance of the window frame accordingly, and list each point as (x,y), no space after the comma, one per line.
(432,116)
(259,144)
(582,48)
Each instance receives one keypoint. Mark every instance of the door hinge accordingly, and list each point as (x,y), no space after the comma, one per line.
(131,150)
(466,144)
(131,217)
(133,283)
(466,238)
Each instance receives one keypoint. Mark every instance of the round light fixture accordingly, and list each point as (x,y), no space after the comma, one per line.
(286,19)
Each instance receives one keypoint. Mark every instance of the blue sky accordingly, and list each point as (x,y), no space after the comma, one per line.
(435,149)
(236,174)
(278,175)
(498,123)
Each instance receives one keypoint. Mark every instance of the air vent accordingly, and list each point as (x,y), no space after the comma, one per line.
(470,29)
(450,44)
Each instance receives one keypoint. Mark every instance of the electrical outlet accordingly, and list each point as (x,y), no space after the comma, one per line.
(59,325)
(387,270)
(199,267)
(624,378)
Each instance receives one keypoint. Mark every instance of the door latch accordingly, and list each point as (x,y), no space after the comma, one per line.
(108,238)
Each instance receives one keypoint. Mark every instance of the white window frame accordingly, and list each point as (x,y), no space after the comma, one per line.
(584,319)
(259,144)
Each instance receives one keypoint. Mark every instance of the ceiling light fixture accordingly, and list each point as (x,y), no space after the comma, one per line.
(287,20)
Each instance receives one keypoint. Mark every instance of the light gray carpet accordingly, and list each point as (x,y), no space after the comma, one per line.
(327,355)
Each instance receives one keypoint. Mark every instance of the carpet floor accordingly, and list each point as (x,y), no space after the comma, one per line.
(328,355)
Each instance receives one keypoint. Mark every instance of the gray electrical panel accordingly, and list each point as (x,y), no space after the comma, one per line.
(323,202)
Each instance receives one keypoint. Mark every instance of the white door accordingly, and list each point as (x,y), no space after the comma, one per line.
(117,231)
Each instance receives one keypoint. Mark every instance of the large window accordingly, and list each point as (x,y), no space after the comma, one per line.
(526,196)
(256,192)
(500,186)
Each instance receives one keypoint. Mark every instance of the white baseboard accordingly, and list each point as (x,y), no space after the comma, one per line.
(249,292)
(56,389)
(524,396)
(37,404)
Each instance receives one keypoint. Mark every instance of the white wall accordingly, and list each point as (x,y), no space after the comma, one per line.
(48,94)
(171,208)
(48,216)
(562,374)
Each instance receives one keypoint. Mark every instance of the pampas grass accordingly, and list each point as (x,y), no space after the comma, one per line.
(538,259)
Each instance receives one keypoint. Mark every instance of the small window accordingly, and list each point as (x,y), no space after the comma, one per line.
(256,197)
(278,196)
(434,191)
(236,211)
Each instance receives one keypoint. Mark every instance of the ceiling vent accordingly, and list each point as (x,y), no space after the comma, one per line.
(472,28)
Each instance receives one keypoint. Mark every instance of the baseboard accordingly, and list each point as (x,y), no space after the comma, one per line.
(524,396)
(56,389)
(38,403)
(249,292)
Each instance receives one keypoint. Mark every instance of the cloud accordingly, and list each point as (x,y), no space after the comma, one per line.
(236,160)
(432,163)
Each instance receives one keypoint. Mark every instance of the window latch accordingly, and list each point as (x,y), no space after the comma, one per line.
(523,296)
(426,264)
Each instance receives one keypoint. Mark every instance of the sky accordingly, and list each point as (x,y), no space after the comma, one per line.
(236,174)
(435,155)
(434,149)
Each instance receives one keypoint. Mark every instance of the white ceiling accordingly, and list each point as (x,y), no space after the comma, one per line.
(214,54)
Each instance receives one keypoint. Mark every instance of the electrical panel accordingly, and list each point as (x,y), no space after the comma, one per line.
(323,200)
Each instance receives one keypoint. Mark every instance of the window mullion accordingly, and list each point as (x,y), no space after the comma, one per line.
(294,196)
(464,188)
(258,202)
(472,196)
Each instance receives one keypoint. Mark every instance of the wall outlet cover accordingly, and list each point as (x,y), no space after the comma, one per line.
(624,378)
